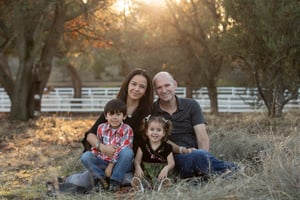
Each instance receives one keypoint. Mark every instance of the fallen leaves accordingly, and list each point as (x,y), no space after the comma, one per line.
(34,151)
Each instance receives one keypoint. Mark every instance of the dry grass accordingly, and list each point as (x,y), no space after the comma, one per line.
(42,149)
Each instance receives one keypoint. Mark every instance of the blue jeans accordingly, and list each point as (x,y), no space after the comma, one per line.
(97,166)
(200,162)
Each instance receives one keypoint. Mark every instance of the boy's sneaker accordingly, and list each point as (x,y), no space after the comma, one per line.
(164,184)
(114,186)
(101,183)
(137,185)
(50,189)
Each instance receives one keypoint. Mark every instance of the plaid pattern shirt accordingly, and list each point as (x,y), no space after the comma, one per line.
(121,137)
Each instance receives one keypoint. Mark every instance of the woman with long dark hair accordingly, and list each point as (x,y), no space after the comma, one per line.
(137,92)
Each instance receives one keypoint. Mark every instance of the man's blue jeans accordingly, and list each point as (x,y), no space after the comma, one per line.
(97,166)
(200,162)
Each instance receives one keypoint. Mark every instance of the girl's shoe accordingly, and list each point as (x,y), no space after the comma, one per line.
(137,185)
(164,184)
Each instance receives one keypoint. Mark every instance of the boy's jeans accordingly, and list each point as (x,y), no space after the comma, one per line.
(200,162)
(97,166)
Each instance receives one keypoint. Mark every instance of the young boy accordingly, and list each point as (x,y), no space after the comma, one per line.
(112,156)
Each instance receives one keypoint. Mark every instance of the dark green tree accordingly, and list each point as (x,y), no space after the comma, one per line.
(266,36)
(200,25)
(32,31)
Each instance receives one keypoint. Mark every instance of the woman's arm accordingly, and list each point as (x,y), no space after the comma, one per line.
(88,143)
(137,163)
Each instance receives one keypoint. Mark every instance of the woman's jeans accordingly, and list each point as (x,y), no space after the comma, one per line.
(200,162)
(97,166)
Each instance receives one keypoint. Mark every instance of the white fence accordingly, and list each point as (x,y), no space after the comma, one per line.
(230,99)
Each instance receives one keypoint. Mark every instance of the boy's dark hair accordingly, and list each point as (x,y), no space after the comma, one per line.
(115,106)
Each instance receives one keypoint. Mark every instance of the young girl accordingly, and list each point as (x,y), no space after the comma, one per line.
(154,159)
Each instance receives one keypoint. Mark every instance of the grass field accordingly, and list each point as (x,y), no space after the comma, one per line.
(32,153)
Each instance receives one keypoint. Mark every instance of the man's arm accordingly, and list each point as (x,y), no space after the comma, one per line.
(175,147)
(202,140)
(202,136)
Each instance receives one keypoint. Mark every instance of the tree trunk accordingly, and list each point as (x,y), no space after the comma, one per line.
(125,67)
(21,103)
(275,109)
(22,99)
(51,44)
(189,91)
(76,83)
(213,97)
(26,98)
(6,76)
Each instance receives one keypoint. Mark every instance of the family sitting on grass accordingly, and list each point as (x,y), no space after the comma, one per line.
(136,136)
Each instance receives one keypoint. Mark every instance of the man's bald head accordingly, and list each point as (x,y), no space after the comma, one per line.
(164,75)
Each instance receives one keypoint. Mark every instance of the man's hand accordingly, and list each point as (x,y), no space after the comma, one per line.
(188,150)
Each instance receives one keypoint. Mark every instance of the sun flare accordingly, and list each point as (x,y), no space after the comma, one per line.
(124,5)
(154,2)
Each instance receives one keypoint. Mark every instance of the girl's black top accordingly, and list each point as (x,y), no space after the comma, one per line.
(156,156)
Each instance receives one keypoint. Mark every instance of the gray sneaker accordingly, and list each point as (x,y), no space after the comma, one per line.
(114,186)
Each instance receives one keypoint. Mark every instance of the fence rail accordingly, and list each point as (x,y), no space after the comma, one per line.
(230,99)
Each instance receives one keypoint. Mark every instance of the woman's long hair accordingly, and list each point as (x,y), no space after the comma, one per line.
(145,104)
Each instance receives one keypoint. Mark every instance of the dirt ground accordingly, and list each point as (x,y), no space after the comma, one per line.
(32,153)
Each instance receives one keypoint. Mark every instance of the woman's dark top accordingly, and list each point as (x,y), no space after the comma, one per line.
(134,122)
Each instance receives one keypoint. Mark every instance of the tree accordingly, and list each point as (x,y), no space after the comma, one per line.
(200,26)
(32,30)
(144,40)
(182,38)
(266,35)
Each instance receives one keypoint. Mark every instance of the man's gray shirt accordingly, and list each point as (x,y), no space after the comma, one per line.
(187,115)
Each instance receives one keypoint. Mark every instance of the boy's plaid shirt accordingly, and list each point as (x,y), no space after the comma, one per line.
(121,137)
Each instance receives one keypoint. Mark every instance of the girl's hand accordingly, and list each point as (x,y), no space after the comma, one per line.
(139,172)
(163,173)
